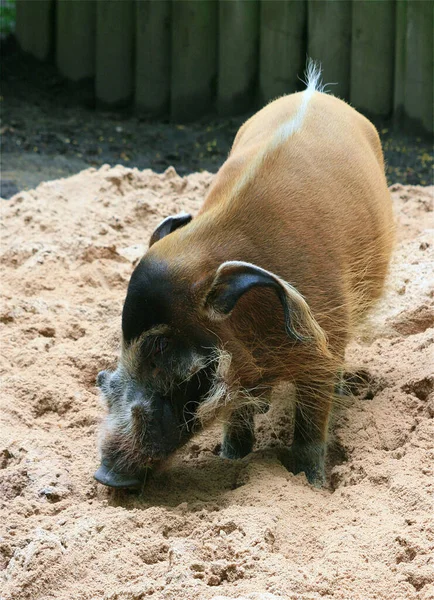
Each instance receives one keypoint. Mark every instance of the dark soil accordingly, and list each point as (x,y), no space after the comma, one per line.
(51,129)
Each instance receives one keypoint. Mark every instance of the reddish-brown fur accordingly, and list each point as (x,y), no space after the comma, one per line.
(316,212)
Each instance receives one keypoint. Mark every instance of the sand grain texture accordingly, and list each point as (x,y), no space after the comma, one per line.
(204,527)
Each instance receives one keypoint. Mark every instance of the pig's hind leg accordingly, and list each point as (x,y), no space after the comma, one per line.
(238,433)
(313,405)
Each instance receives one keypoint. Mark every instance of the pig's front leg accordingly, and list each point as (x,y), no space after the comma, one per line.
(314,402)
(238,433)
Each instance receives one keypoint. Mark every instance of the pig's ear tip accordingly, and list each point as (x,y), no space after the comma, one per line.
(108,477)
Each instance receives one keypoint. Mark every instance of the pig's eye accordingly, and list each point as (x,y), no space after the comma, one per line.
(160,344)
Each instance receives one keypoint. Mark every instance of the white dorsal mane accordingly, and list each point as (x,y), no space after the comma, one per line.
(287,129)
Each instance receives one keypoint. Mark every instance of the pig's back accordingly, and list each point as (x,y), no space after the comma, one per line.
(308,180)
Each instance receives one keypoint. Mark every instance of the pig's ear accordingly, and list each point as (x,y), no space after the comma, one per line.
(235,278)
(168,225)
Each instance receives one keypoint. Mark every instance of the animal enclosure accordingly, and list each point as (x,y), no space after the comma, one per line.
(186,58)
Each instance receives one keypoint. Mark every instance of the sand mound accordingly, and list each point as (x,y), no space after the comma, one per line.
(204,527)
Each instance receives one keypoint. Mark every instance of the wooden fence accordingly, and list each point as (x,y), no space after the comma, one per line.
(187,57)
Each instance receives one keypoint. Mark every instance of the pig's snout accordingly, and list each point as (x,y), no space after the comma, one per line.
(119,479)
(144,424)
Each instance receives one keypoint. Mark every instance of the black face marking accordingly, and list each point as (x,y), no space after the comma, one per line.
(149,297)
(153,396)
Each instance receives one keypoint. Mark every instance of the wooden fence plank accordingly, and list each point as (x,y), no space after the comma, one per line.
(35,27)
(178,51)
(372,56)
(418,93)
(238,55)
(152,94)
(75,38)
(282,47)
(194,58)
(114,51)
(400,57)
(329,41)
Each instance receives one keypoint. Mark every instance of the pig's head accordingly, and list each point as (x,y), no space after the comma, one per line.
(171,360)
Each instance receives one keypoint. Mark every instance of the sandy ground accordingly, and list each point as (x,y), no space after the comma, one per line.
(203,527)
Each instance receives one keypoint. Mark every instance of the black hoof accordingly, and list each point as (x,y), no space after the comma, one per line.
(314,475)
(309,459)
(236,450)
